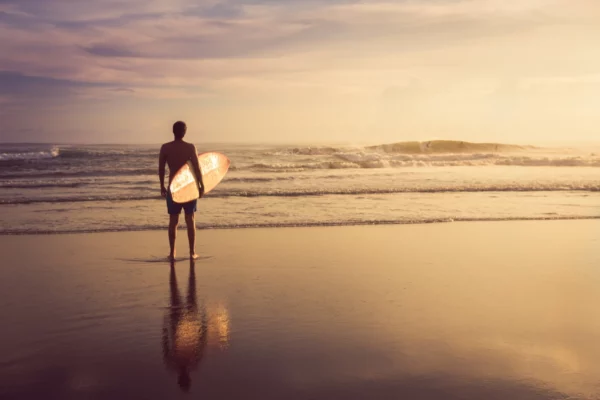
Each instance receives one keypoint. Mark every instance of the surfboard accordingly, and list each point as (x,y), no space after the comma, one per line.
(184,185)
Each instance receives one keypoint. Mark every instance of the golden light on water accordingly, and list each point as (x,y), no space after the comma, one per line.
(188,334)
(219,326)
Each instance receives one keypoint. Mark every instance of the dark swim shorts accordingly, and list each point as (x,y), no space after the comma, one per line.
(175,208)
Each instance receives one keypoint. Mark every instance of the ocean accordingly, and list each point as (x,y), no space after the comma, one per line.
(54,188)
(435,310)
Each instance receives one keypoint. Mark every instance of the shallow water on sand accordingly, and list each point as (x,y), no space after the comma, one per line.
(389,312)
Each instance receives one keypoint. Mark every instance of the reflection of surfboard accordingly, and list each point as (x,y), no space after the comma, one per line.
(184,186)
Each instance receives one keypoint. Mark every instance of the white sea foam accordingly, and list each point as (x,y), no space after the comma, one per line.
(30,155)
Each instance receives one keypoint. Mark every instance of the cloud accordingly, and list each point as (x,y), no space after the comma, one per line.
(64,42)
(217,11)
(76,38)
(74,10)
(16,84)
(299,52)
(109,51)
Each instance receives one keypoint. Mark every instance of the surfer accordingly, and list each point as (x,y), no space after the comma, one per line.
(175,154)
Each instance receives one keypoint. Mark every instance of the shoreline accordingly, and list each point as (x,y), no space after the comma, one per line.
(199,227)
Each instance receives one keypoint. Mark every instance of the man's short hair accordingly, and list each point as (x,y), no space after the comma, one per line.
(179,129)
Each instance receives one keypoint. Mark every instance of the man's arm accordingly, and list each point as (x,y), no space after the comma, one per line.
(162,160)
(197,170)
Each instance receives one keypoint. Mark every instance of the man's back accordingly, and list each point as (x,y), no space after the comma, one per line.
(176,154)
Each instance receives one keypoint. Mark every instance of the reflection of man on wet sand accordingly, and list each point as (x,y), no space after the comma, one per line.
(184,330)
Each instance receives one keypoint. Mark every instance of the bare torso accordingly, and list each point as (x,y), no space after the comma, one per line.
(176,154)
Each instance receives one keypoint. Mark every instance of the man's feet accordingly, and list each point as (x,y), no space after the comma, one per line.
(193,256)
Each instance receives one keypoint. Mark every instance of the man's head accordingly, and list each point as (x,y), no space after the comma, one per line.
(179,129)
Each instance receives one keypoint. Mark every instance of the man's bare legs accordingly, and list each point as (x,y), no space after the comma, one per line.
(173,222)
(191,229)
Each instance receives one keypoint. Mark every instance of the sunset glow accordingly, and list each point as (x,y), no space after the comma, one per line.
(298,71)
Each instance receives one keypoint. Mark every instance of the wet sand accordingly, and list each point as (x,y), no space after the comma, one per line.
(502,310)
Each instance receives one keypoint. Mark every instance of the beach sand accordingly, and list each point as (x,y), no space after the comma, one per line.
(486,310)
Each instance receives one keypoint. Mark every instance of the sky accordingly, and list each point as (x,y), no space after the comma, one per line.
(122,71)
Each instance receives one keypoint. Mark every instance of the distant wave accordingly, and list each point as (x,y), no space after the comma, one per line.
(36,185)
(80,173)
(23,154)
(298,167)
(93,152)
(528,187)
(30,155)
(448,146)
(13,232)
(94,183)
(76,199)
(374,160)
(49,162)
(429,147)
(341,161)
(307,151)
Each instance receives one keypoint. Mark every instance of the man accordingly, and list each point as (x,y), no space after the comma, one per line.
(176,154)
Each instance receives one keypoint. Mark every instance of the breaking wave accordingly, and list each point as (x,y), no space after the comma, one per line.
(65,161)
(364,160)
(448,146)
(437,153)
(30,155)
(429,147)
